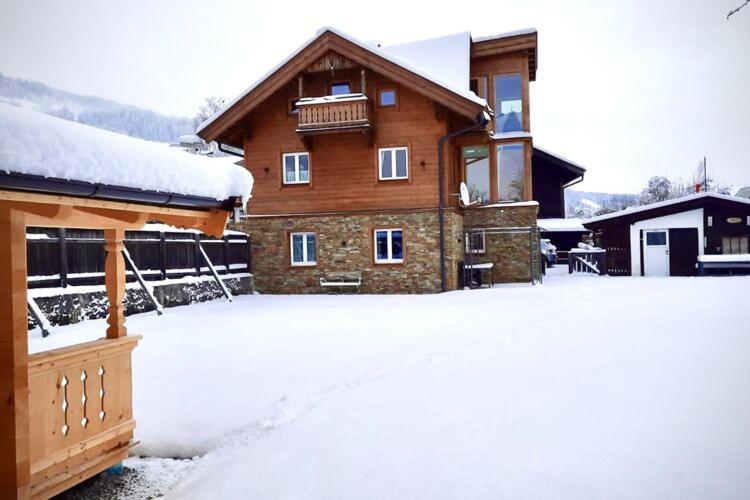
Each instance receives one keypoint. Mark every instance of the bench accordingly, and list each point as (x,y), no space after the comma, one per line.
(342,280)
(739,261)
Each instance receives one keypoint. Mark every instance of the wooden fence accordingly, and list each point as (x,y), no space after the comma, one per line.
(62,257)
(587,261)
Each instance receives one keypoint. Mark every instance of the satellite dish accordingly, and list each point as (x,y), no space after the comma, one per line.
(464,194)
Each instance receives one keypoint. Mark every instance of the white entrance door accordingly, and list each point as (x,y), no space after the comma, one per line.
(656,252)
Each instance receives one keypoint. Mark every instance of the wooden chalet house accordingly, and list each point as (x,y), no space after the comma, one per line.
(358,151)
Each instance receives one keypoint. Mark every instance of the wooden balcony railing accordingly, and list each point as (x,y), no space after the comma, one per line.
(333,113)
(80,412)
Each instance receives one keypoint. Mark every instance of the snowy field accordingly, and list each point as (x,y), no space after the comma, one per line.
(584,387)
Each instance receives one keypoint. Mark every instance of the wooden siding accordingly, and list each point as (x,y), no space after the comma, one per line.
(343,168)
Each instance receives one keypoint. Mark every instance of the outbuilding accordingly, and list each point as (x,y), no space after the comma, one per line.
(666,238)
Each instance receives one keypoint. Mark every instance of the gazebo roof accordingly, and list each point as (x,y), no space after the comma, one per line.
(47,154)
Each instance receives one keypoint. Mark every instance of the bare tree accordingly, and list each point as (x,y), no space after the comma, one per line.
(734,11)
(209,107)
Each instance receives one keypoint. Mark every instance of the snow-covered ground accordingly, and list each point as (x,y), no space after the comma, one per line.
(584,387)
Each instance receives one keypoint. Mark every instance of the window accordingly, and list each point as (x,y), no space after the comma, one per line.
(733,245)
(302,249)
(478,85)
(508,103)
(656,238)
(296,168)
(386,98)
(477,168)
(340,88)
(393,163)
(511,172)
(389,246)
(475,243)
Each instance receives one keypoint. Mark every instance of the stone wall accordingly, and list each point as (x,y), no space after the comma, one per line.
(67,308)
(345,244)
(511,253)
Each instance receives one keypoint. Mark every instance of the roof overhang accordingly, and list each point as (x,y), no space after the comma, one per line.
(668,207)
(38,184)
(524,41)
(219,127)
(569,171)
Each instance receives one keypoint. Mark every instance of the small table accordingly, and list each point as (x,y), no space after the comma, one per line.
(486,266)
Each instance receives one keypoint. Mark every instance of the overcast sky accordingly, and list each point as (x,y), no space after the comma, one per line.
(627,89)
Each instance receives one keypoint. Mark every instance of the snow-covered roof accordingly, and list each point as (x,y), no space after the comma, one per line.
(560,157)
(190,139)
(666,203)
(461,90)
(37,144)
(562,225)
(446,58)
(497,36)
(743,192)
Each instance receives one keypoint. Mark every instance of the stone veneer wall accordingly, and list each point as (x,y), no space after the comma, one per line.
(509,252)
(345,244)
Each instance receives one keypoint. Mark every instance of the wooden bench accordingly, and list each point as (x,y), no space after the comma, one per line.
(342,280)
(740,261)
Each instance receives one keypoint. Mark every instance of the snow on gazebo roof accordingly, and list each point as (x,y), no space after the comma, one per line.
(33,143)
(570,224)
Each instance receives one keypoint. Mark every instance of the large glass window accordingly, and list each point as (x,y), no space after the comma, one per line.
(478,85)
(511,172)
(394,163)
(303,249)
(508,103)
(477,168)
(296,168)
(389,246)
(734,245)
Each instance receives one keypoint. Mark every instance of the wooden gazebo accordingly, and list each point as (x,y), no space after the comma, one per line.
(66,414)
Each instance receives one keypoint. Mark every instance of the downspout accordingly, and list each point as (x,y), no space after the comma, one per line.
(482,120)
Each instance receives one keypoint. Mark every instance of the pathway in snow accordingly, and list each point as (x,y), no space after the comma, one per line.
(583,387)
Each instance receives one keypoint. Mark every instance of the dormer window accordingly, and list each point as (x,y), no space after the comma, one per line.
(508,103)
(340,88)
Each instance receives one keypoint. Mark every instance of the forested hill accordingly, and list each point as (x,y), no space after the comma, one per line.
(95,111)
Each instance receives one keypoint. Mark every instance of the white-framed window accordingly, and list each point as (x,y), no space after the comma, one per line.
(389,246)
(296,168)
(303,249)
(475,243)
(393,163)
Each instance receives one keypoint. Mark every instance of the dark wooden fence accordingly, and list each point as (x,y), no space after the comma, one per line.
(62,257)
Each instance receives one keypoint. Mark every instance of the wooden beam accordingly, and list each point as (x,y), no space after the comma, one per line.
(134,218)
(14,377)
(114,280)
(53,199)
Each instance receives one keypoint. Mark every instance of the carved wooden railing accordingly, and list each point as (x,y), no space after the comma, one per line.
(333,112)
(81,413)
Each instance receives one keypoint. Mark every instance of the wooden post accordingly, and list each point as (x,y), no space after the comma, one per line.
(163,255)
(226,254)
(364,82)
(14,375)
(62,249)
(197,254)
(114,280)
(299,87)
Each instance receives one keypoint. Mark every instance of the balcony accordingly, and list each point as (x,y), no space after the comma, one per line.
(333,114)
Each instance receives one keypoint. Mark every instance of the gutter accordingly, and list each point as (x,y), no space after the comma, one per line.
(229,151)
(481,122)
(80,189)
